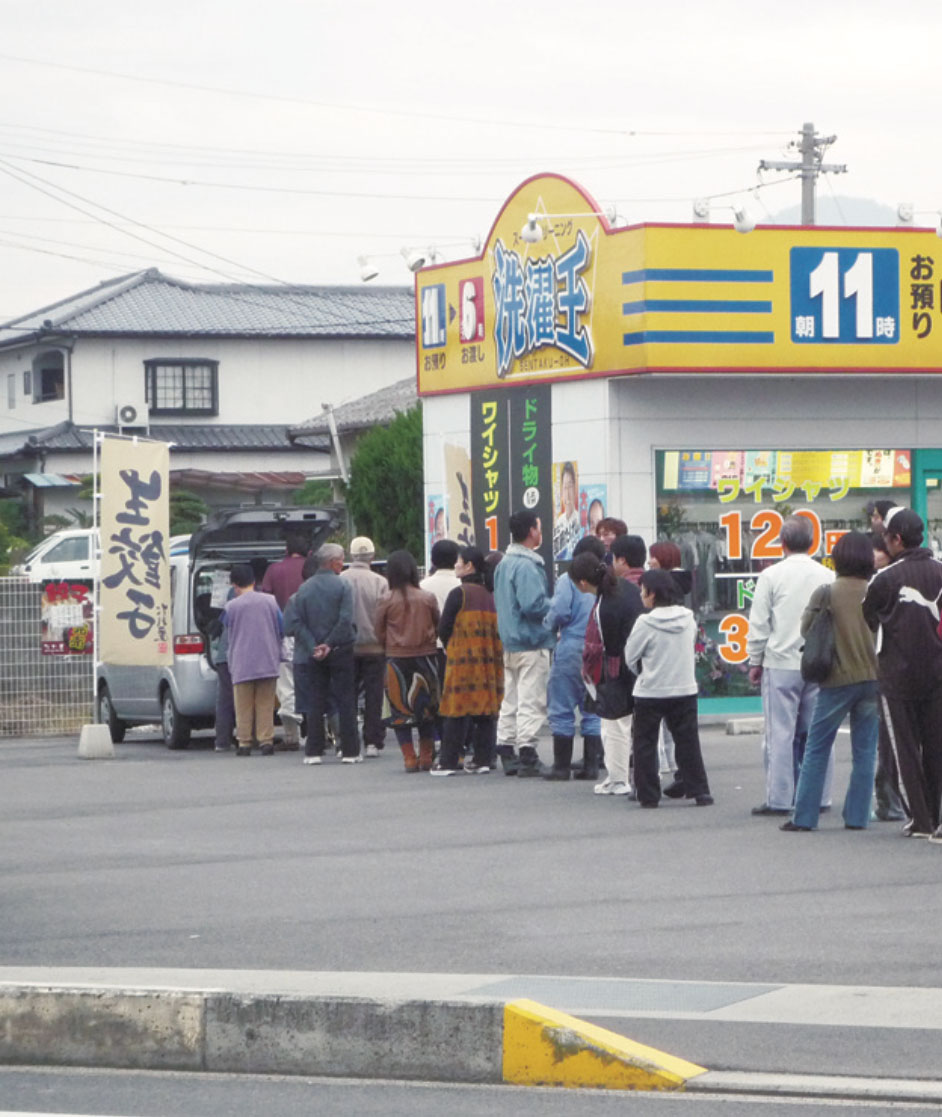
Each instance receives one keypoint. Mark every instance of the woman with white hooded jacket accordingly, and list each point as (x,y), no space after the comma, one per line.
(660,652)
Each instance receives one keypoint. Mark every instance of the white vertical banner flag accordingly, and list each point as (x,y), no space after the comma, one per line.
(135,567)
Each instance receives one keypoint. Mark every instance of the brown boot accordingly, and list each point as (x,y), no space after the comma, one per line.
(426,754)
(409,758)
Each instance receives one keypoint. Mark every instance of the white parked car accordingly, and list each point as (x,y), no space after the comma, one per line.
(63,556)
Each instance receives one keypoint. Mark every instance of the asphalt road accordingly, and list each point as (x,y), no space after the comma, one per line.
(148,1094)
(201,860)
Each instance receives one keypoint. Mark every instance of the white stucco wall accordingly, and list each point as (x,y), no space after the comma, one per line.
(612,428)
(260,381)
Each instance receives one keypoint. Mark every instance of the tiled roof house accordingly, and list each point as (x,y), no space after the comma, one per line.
(224,372)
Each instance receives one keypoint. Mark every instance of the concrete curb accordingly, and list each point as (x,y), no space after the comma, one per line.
(483,1041)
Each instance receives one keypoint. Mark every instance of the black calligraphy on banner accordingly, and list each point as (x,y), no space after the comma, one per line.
(135,626)
(141,555)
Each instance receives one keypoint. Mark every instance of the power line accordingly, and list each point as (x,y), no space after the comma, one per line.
(491,122)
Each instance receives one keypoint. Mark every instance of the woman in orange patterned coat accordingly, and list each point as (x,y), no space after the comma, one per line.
(474,675)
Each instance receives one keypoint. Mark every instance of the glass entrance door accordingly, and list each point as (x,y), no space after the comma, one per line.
(927,494)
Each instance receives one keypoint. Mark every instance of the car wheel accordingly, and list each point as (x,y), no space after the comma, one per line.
(175,726)
(106,716)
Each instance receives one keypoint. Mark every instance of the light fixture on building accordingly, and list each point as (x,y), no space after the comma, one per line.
(368,270)
(906,214)
(743,221)
(414,258)
(533,232)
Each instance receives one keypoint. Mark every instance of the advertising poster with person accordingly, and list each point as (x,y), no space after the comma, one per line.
(567,524)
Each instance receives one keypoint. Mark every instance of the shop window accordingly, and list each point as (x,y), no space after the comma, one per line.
(182,387)
(48,376)
(724,510)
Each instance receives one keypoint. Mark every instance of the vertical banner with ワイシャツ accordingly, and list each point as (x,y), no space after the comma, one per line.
(134,590)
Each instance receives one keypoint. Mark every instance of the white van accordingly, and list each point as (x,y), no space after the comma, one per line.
(182,695)
(63,556)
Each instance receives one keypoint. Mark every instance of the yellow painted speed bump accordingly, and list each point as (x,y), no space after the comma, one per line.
(543,1047)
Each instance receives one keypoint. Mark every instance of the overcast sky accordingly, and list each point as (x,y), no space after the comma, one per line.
(288,138)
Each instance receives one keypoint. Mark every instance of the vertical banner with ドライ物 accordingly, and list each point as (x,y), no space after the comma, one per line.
(135,570)
(511,463)
(531,460)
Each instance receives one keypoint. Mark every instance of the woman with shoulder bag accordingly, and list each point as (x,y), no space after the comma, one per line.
(849,688)
(617,607)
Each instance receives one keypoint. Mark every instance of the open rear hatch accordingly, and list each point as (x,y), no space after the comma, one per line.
(252,535)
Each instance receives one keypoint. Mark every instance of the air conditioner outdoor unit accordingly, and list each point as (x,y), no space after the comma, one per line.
(131,413)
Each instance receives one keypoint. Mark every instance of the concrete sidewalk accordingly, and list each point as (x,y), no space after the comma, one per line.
(434,1027)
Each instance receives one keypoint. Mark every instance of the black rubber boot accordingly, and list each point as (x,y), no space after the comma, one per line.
(562,758)
(591,758)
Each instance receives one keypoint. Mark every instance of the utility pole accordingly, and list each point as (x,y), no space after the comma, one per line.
(810,147)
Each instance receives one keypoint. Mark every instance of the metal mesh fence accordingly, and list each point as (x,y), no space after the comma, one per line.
(40,695)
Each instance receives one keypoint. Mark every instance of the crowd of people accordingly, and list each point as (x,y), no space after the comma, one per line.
(468,664)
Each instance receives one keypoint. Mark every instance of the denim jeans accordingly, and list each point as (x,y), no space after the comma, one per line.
(860,700)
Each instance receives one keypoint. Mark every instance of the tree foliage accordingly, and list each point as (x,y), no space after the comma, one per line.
(187,511)
(385,489)
(314,494)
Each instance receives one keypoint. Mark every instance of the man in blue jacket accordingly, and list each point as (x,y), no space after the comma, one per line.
(522,603)
(320,618)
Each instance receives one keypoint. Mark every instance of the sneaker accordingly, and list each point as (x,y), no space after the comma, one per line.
(351,759)
(619,788)
(936,836)
(372,750)
(313,760)
(476,769)
(605,787)
(439,771)
(909,832)
(267,750)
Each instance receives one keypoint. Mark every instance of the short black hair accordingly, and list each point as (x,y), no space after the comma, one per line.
(631,548)
(590,543)
(853,555)
(881,507)
(444,554)
(242,575)
(521,524)
(297,543)
(907,524)
(663,585)
(474,556)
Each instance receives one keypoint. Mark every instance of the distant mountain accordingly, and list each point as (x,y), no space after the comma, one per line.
(830,210)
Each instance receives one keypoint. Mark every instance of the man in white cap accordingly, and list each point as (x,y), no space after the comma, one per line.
(369,588)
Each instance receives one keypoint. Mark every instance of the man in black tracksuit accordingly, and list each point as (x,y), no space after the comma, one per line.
(903,602)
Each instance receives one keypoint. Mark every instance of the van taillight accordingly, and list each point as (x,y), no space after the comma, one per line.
(188,645)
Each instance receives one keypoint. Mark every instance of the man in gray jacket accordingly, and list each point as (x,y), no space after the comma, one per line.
(522,603)
(369,588)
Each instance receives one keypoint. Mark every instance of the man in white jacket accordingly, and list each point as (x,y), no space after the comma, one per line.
(775,641)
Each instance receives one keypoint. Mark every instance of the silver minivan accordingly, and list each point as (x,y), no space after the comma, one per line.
(182,695)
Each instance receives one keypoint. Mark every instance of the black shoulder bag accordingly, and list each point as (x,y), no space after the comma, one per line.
(817,656)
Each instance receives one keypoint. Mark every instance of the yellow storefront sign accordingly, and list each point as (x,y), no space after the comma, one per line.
(558,294)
